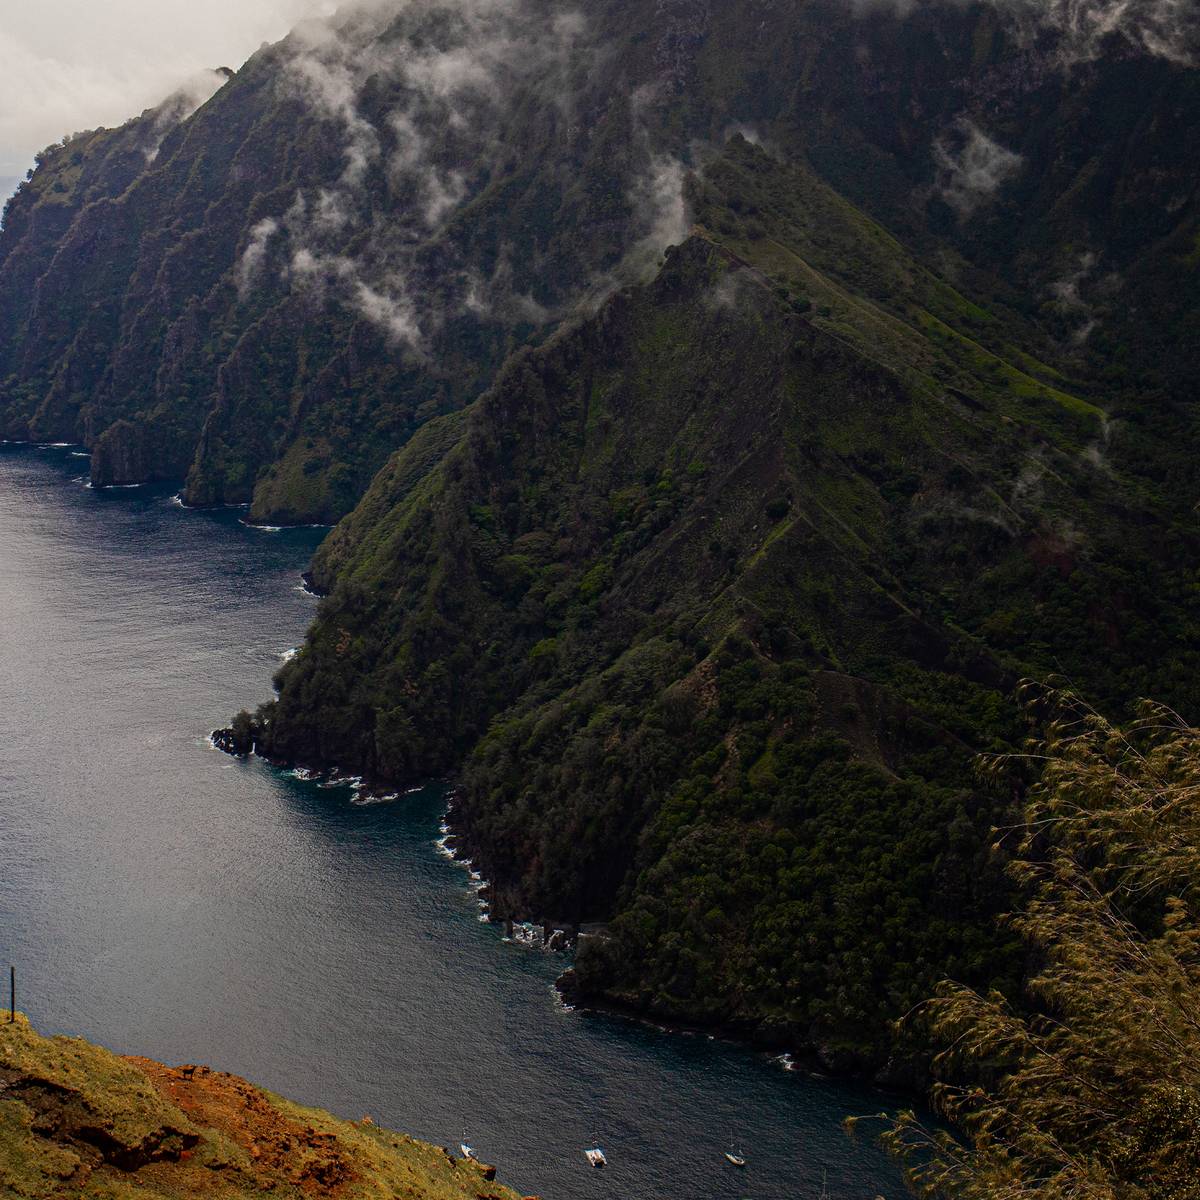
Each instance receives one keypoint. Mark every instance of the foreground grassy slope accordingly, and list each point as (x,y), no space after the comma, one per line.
(78,1121)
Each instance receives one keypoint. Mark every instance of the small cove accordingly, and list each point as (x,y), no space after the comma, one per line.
(160,898)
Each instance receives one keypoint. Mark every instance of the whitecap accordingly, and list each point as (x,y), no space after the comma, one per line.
(475,880)
(178,499)
(341,781)
(365,799)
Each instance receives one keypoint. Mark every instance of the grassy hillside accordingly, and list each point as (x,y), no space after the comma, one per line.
(78,1121)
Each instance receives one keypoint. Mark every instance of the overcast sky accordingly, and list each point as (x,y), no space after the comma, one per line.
(68,65)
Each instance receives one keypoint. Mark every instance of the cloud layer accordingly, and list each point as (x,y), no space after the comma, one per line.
(453,69)
(972,167)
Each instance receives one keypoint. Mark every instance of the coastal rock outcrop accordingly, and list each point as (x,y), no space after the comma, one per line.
(121,456)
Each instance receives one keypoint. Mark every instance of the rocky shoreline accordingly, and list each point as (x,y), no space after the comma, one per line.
(792,1049)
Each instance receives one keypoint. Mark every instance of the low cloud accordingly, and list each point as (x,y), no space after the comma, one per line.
(180,105)
(1167,28)
(972,167)
(1082,295)
(498,297)
(451,67)
(384,302)
(660,207)
(395,314)
(435,147)
(251,263)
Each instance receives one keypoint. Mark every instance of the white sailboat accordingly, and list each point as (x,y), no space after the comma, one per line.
(595,1157)
(465,1149)
(738,1159)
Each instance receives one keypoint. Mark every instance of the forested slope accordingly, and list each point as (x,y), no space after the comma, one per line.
(720,591)
(270,294)
(726,403)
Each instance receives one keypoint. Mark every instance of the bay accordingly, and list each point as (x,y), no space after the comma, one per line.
(162,899)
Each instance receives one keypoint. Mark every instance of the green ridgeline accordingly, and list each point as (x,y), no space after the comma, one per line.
(709,595)
(713,599)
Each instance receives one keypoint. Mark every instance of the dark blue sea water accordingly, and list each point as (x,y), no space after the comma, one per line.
(162,899)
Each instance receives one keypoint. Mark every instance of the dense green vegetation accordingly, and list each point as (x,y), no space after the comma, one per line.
(1085,1086)
(709,592)
(217,297)
(718,637)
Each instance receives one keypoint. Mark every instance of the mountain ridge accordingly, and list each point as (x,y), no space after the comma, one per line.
(183,354)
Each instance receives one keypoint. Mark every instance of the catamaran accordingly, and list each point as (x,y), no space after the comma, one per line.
(595,1156)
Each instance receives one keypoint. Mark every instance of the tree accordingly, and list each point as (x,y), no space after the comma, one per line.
(1090,1088)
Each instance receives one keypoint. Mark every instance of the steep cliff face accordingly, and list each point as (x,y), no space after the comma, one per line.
(78,1121)
(356,230)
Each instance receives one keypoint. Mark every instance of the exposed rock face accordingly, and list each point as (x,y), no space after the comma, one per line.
(119,456)
(239,739)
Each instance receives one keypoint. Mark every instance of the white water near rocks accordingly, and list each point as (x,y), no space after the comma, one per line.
(163,899)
